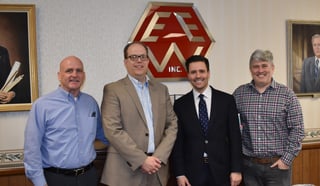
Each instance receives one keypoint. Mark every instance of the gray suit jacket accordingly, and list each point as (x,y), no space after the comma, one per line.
(125,127)
(308,83)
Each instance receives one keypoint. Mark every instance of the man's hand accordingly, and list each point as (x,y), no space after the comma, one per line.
(151,165)
(280,165)
(235,178)
(6,97)
(183,181)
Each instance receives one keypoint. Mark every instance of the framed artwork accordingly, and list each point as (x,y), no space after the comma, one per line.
(18,59)
(299,35)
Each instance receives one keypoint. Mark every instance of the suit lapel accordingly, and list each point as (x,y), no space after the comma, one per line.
(213,108)
(315,84)
(135,98)
(154,96)
(190,107)
(311,69)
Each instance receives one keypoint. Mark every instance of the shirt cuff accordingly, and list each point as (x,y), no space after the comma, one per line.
(288,158)
(39,181)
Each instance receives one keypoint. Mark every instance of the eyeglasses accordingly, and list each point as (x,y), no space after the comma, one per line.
(136,57)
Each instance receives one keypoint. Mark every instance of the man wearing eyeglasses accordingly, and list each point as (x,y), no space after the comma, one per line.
(139,123)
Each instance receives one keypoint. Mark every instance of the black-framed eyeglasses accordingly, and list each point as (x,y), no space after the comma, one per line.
(136,57)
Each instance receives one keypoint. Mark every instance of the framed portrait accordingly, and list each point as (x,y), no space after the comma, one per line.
(18,58)
(301,57)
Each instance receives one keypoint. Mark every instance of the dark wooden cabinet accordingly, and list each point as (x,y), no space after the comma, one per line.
(306,167)
(305,170)
(14,177)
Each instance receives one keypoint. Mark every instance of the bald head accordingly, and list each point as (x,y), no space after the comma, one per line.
(71,74)
(69,59)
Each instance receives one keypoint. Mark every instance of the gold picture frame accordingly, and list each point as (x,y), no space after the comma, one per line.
(18,43)
(299,34)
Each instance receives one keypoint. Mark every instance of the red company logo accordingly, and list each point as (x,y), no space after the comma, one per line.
(173,32)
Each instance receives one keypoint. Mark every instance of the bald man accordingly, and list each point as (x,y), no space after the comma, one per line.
(61,130)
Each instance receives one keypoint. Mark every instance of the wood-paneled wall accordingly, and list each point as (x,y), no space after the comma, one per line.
(306,168)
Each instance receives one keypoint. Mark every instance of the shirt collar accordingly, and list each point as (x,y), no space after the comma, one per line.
(138,83)
(67,94)
(272,85)
(207,93)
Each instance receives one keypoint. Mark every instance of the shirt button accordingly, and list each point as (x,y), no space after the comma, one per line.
(147,134)
(206,141)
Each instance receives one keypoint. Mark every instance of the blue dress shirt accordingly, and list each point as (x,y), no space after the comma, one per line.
(144,96)
(60,132)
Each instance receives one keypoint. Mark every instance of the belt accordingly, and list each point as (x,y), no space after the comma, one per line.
(205,160)
(265,160)
(70,172)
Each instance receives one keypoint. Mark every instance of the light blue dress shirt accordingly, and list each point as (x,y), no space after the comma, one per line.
(144,96)
(60,132)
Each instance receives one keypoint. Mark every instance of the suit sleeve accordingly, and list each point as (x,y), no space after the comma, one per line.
(177,157)
(235,138)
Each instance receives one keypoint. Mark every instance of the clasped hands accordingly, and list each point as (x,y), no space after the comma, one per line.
(151,165)
(6,97)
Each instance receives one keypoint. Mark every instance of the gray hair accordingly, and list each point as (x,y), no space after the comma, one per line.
(314,36)
(261,55)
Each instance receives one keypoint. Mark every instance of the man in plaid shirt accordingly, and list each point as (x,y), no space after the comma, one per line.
(272,125)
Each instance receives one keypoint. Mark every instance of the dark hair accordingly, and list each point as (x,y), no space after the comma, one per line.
(197,58)
(125,50)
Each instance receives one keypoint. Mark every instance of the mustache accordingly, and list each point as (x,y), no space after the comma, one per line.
(74,80)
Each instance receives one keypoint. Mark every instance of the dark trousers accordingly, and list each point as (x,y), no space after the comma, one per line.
(89,178)
(206,178)
(255,174)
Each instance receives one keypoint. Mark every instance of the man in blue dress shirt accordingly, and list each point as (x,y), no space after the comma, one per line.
(60,132)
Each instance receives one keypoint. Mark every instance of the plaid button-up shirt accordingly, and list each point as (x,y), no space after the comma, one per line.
(272,121)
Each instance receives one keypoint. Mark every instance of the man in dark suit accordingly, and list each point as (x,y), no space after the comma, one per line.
(5,67)
(310,78)
(210,156)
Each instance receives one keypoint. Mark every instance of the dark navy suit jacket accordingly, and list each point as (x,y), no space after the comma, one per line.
(222,143)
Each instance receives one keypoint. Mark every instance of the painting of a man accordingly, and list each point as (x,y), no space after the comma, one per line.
(310,78)
(5,97)
(14,49)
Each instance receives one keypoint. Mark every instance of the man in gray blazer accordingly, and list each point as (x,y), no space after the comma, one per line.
(140,124)
(310,78)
